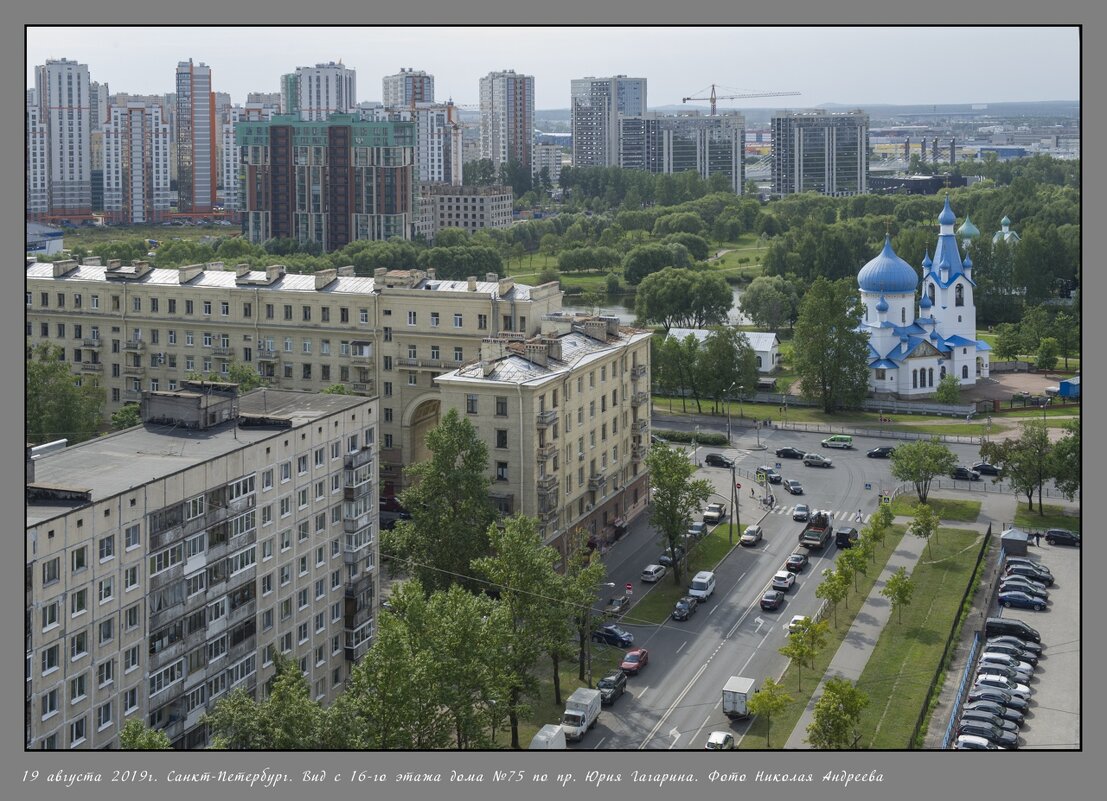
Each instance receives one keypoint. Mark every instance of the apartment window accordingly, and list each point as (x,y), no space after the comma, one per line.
(302,632)
(286,540)
(303,564)
(76,732)
(78,559)
(471,404)
(286,642)
(482,322)
(105,673)
(501,471)
(247,310)
(78,602)
(286,574)
(51,571)
(130,617)
(363,316)
(501,437)
(267,514)
(434,319)
(343,314)
(286,471)
(302,598)
(130,659)
(288,311)
(412,317)
(267,549)
(49,703)
(50,659)
(107,630)
(386,333)
(388,389)
(107,589)
(50,615)
(412,380)
(95,302)
(78,645)
(130,701)
(130,577)
(267,584)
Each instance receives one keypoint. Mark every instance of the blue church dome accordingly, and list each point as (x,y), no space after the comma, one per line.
(882,305)
(887,273)
(967,262)
(925,302)
(947,217)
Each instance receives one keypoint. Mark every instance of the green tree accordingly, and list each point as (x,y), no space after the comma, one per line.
(898,590)
(583,576)
(831,354)
(726,360)
(450,508)
(683,298)
(1035,325)
(920,462)
(836,716)
(337,389)
(1066,332)
(696,245)
(676,497)
(1046,358)
(1009,342)
(770,301)
(451,237)
(770,700)
(651,258)
(833,589)
(924,524)
(880,522)
(1066,461)
(239,373)
(136,737)
(804,643)
(948,390)
(481,172)
(858,564)
(1027,462)
(59,405)
(126,416)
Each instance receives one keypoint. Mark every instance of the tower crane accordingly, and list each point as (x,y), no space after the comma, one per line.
(713,97)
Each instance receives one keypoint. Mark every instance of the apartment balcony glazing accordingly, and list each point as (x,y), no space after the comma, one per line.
(637,371)
(597,481)
(92,367)
(638,398)
(546,418)
(546,451)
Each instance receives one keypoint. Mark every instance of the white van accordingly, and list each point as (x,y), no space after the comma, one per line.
(703,585)
(838,441)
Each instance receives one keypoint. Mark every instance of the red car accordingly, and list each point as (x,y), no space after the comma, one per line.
(635,660)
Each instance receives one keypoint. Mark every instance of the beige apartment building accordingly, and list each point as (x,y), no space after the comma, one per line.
(137,329)
(166,564)
(566,415)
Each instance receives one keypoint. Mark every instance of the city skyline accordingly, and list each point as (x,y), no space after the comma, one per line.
(987,64)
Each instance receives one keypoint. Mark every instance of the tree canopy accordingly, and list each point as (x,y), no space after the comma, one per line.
(831,354)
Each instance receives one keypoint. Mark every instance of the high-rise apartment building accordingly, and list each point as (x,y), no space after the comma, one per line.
(63,123)
(315,93)
(438,138)
(820,151)
(550,158)
(230,157)
(329,182)
(407,87)
(36,168)
(100,103)
(136,165)
(709,146)
(168,564)
(507,118)
(196,139)
(597,105)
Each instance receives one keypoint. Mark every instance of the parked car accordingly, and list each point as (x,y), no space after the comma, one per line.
(1004,683)
(985,469)
(1029,657)
(1013,662)
(994,669)
(793,486)
(1001,738)
(1017,581)
(652,573)
(718,460)
(1030,588)
(881,452)
(801,512)
(771,600)
(1026,560)
(771,475)
(751,536)
(796,562)
(982,716)
(697,529)
(612,634)
(970,742)
(720,741)
(816,460)
(1021,600)
(1010,639)
(789,453)
(612,686)
(997,709)
(1062,536)
(783,580)
(616,606)
(685,607)
(997,695)
(1029,572)
(962,473)
(665,560)
(634,661)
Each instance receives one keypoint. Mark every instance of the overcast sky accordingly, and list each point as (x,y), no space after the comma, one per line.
(851,65)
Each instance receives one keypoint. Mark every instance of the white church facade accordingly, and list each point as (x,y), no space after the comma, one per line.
(913,344)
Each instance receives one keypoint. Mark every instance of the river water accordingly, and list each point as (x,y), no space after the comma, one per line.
(616,305)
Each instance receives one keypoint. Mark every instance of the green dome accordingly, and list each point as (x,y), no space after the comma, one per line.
(968,230)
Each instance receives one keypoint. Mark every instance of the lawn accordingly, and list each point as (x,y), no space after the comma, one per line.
(801,683)
(1055,517)
(946,508)
(899,672)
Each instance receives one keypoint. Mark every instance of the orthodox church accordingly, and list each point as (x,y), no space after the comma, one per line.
(910,352)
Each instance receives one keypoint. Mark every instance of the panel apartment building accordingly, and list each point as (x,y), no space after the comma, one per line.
(566,415)
(196,139)
(330,182)
(820,151)
(135,165)
(507,118)
(59,136)
(136,329)
(667,144)
(167,564)
(597,106)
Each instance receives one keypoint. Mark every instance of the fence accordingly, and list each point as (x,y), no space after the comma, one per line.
(952,727)
(891,405)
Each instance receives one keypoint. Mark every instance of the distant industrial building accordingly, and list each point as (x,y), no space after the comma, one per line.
(820,151)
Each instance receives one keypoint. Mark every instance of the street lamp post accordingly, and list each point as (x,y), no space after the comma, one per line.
(741,391)
(728,391)
(696,447)
(736,499)
(588,640)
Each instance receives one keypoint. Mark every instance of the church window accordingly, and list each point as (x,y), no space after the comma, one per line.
(943,373)
(965,371)
(914,379)
(959,295)
(958,318)
(903,314)
(930,377)
(880,373)
(930,292)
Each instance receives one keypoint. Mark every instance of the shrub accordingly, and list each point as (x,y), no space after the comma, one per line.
(703,438)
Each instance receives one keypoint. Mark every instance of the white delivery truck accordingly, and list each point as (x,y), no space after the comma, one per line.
(582,709)
(550,737)
(736,695)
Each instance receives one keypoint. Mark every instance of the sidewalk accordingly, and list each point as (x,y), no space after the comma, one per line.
(854,652)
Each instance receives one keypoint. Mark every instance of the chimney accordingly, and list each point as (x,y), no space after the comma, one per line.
(241,270)
(216,265)
(505,285)
(431,273)
(491,349)
(188,272)
(536,352)
(491,277)
(115,264)
(347,271)
(64,267)
(273,273)
(554,348)
(596,328)
(324,278)
(92,261)
(612,325)
(472,283)
(379,273)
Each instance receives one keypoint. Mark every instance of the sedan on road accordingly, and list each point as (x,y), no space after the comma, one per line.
(783,580)
(789,453)
(985,469)
(882,452)
(771,475)
(1021,600)
(613,635)
(801,512)
(634,661)
(963,473)
(1062,536)
(793,486)
(751,536)
(795,623)
(796,562)
(684,608)
(771,600)
(718,460)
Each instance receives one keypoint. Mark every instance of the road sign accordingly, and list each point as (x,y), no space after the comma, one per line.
(777,465)
(868,486)
(761,477)
(737,486)
(886,499)
(630,588)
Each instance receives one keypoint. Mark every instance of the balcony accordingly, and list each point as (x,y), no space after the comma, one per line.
(266,355)
(358,491)
(546,418)
(546,451)
(430,364)
(136,370)
(361,359)
(92,367)
(546,484)
(95,343)
(364,387)
(135,346)
(597,481)
(224,353)
(638,452)
(362,584)
(358,458)
(637,371)
(357,652)
(639,426)
(132,394)
(352,525)
(356,615)
(638,398)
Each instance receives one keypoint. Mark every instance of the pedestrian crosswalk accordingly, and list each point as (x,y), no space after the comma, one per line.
(840,517)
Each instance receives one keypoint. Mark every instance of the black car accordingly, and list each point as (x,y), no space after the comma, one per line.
(963,473)
(1005,739)
(796,562)
(999,710)
(613,635)
(612,686)
(1062,536)
(997,695)
(718,460)
(1030,572)
(684,608)
(667,560)
(882,452)
(985,469)
(1014,585)
(982,716)
(772,599)
(790,453)
(1010,639)
(1018,653)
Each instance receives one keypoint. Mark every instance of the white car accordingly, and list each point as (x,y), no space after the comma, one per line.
(720,741)
(1007,660)
(653,573)
(751,536)
(796,622)
(1002,682)
(970,742)
(784,580)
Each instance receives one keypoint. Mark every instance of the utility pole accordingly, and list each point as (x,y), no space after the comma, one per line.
(735,497)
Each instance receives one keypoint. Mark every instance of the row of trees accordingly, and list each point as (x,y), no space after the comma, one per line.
(711,370)
(1044,335)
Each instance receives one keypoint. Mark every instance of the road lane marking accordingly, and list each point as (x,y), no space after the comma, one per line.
(597,745)
(681,648)
(697,734)
(675,734)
